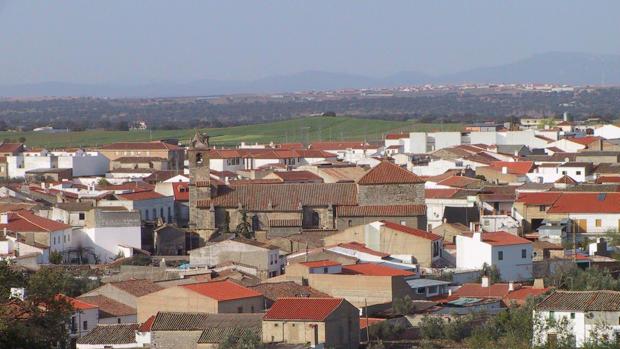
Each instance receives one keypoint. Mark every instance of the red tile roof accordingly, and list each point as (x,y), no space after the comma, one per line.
(389,173)
(381,211)
(371,269)
(146,325)
(26,221)
(586,203)
(459,181)
(109,307)
(365,322)
(181,191)
(10,147)
(541,199)
(586,140)
(356,246)
(303,309)
(413,231)
(607,179)
(440,193)
(297,176)
(514,167)
(501,238)
(224,290)
(519,296)
(396,135)
(76,303)
(320,264)
(565,180)
(141,195)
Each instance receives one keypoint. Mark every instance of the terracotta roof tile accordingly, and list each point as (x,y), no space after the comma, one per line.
(356,246)
(181,191)
(110,335)
(371,269)
(396,135)
(389,173)
(26,221)
(275,290)
(298,176)
(501,238)
(412,231)
(222,290)
(601,300)
(440,193)
(514,167)
(565,180)
(137,288)
(77,304)
(303,309)
(286,197)
(586,203)
(141,195)
(544,198)
(109,307)
(381,211)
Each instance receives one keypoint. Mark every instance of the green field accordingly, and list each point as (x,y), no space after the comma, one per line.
(304,129)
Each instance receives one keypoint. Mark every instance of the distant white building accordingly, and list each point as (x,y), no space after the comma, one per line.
(608,132)
(511,254)
(82,163)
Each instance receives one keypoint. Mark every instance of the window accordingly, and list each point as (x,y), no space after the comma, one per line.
(118,320)
(252,309)
(523,253)
(420,290)
(81,216)
(572,315)
(500,255)
(598,223)
(578,173)
(146,214)
(240,310)
(85,325)
(350,222)
(542,208)
(403,222)
(325,270)
(551,314)
(564,172)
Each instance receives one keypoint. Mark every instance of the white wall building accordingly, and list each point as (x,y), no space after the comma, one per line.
(586,316)
(608,132)
(82,163)
(511,254)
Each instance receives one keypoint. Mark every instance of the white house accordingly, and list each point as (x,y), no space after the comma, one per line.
(81,162)
(608,132)
(84,318)
(38,231)
(582,317)
(151,205)
(567,145)
(438,199)
(594,213)
(511,254)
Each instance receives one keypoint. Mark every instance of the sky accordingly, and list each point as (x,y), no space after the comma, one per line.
(145,41)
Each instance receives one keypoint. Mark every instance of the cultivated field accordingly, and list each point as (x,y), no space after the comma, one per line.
(304,129)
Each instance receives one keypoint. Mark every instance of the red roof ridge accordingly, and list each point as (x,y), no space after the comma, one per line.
(413,231)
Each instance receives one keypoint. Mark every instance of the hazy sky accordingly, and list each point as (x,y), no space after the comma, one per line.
(133,41)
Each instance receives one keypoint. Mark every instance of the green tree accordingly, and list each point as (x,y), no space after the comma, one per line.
(55,257)
(402,306)
(247,340)
(491,272)
(431,327)
(9,277)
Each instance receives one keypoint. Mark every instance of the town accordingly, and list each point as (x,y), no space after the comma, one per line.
(415,240)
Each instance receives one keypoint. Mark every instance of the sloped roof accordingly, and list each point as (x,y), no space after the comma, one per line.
(287,197)
(372,269)
(565,179)
(460,182)
(586,203)
(77,304)
(356,246)
(396,135)
(601,300)
(275,290)
(412,231)
(440,193)
(514,167)
(141,195)
(224,290)
(110,334)
(137,287)
(185,321)
(10,147)
(295,176)
(109,307)
(585,140)
(303,309)
(320,264)
(543,198)
(389,173)
(381,211)
(501,238)
(26,221)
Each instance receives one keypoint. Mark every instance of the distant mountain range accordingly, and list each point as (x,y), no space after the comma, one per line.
(553,67)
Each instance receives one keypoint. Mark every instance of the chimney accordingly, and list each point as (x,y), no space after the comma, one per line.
(504,170)
(539,284)
(4,218)
(511,286)
(18,292)
(449,292)
(485,282)
(477,236)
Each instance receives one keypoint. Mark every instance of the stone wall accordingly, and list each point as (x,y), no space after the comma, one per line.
(175,339)
(391,194)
